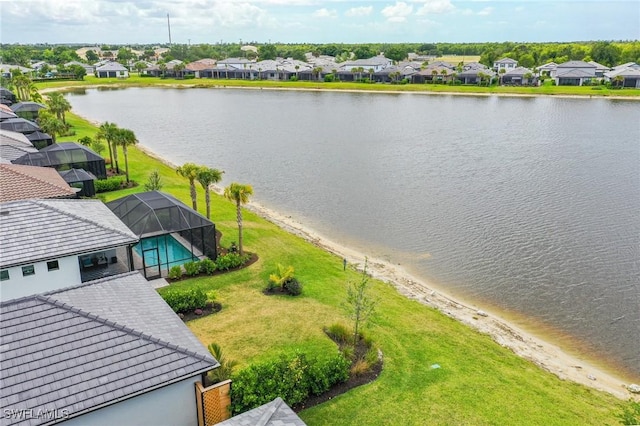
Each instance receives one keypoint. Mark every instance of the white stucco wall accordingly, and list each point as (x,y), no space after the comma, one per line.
(42,281)
(173,405)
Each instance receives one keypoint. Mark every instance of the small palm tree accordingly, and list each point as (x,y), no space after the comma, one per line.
(179,69)
(223,372)
(58,105)
(107,131)
(125,138)
(240,194)
(190,171)
(434,74)
(51,124)
(208,177)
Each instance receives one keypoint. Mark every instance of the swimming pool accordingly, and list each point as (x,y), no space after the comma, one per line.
(163,251)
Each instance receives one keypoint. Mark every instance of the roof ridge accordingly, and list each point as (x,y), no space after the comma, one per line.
(88,283)
(45,203)
(94,317)
(32,177)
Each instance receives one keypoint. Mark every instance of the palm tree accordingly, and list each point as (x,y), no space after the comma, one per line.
(179,68)
(50,124)
(619,80)
(107,131)
(58,105)
(316,71)
(163,68)
(208,177)
(240,194)
(190,171)
(434,74)
(371,71)
(501,72)
(125,138)
(443,73)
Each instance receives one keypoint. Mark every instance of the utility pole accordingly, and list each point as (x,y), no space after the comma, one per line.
(169,27)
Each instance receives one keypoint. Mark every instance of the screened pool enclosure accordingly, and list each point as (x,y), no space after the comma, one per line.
(170,232)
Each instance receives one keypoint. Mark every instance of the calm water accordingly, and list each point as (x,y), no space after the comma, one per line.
(529,205)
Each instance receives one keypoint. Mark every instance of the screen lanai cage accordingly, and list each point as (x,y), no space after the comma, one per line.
(65,156)
(171,233)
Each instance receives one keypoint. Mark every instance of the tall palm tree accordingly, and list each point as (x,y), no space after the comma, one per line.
(51,125)
(58,105)
(434,74)
(179,69)
(208,177)
(240,194)
(107,131)
(125,138)
(190,171)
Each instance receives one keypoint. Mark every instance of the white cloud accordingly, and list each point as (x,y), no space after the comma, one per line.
(359,11)
(486,11)
(325,13)
(398,12)
(466,12)
(436,6)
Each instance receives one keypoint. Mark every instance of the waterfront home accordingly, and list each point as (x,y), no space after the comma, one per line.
(433,73)
(81,180)
(107,352)
(624,76)
(112,70)
(475,75)
(5,70)
(506,64)
(14,145)
(48,244)
(519,76)
(197,68)
(548,69)
(600,69)
(170,232)
(19,125)
(89,69)
(64,156)
(27,109)
(574,73)
(19,182)
(376,63)
(40,139)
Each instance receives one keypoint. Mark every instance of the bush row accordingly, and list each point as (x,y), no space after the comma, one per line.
(291,377)
(110,184)
(183,301)
(208,266)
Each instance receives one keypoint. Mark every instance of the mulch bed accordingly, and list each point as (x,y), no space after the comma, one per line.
(211,308)
(253,258)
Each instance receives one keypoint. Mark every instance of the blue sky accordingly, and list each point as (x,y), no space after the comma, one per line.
(316,21)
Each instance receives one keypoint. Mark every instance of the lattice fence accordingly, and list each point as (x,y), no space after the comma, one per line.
(214,403)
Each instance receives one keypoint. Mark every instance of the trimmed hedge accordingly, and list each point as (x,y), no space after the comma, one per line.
(110,184)
(182,301)
(291,377)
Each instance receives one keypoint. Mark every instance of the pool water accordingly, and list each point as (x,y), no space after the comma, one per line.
(169,252)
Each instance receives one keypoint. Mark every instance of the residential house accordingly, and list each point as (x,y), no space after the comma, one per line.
(81,180)
(574,73)
(5,70)
(112,70)
(475,75)
(50,244)
(376,63)
(198,67)
(600,69)
(548,69)
(626,75)
(26,182)
(107,352)
(433,73)
(19,125)
(506,64)
(7,97)
(318,72)
(89,69)
(14,145)
(519,76)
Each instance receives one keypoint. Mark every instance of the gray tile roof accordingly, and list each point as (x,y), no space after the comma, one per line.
(60,356)
(274,413)
(35,230)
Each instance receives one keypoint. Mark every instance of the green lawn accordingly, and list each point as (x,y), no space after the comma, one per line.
(479,382)
(138,81)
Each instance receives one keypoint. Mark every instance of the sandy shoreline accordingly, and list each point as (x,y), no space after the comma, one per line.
(546,355)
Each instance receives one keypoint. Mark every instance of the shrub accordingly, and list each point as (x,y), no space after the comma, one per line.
(360,367)
(182,301)
(207,266)
(192,268)
(175,273)
(230,261)
(110,184)
(291,377)
(329,78)
(189,77)
(293,287)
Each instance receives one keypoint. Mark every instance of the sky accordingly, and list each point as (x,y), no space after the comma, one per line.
(316,21)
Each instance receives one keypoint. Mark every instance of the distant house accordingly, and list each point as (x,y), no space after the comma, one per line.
(50,244)
(376,63)
(506,64)
(474,75)
(626,75)
(197,67)
(600,69)
(548,69)
(28,182)
(442,74)
(89,69)
(112,70)
(574,73)
(107,352)
(519,76)
(5,70)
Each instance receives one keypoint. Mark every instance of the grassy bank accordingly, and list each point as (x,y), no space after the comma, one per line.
(478,382)
(547,90)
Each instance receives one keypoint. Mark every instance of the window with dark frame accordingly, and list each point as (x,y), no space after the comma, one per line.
(28,270)
(4,275)
(53,265)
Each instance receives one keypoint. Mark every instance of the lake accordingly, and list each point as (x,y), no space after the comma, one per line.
(526,205)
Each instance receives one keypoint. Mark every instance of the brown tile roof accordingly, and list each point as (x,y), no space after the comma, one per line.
(19,182)
(201,64)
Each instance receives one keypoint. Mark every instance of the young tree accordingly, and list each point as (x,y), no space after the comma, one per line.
(240,194)
(361,304)
(58,105)
(97,146)
(223,372)
(208,177)
(154,182)
(126,138)
(190,171)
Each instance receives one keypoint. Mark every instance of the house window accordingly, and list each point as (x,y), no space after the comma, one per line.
(4,275)
(53,265)
(28,270)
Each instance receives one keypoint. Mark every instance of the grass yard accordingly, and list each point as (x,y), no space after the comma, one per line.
(479,382)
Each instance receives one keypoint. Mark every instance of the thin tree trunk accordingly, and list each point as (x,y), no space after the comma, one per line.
(207,199)
(194,200)
(110,154)
(239,217)
(115,157)
(126,162)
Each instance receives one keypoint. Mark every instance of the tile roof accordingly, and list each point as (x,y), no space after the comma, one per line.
(7,137)
(274,413)
(62,356)
(35,230)
(24,182)
(111,66)
(8,153)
